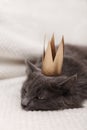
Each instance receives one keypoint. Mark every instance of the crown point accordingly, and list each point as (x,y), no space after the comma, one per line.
(53,61)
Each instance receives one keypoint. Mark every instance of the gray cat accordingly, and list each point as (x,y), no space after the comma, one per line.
(69,90)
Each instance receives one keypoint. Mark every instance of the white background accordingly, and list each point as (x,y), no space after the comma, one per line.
(29,20)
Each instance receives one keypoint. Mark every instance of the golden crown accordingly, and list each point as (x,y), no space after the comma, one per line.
(52,60)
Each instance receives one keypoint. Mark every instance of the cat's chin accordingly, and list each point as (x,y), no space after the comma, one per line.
(27,108)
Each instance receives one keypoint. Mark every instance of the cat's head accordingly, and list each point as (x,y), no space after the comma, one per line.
(40,92)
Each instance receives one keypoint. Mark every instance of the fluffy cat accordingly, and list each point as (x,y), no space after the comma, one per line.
(69,90)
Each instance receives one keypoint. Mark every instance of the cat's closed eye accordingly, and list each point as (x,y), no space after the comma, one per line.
(40,97)
(42,94)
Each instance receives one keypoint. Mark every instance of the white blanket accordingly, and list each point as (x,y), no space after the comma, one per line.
(23,24)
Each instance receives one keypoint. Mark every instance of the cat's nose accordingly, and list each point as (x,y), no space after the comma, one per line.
(24,102)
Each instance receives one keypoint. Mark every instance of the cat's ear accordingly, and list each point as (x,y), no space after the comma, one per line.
(31,67)
(70,81)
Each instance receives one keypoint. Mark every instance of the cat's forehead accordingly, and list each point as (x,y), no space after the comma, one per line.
(51,79)
(54,77)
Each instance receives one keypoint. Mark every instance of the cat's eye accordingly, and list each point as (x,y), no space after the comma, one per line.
(40,97)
